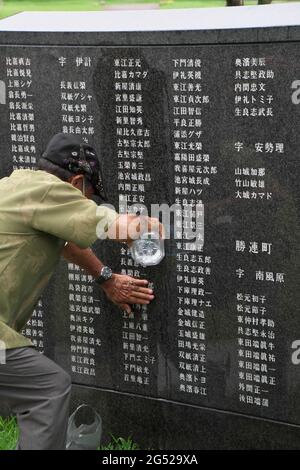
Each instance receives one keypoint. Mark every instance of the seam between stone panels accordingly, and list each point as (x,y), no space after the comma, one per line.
(130,46)
(190,405)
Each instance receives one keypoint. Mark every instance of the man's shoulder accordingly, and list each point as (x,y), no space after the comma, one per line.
(43,185)
(35,175)
(34,179)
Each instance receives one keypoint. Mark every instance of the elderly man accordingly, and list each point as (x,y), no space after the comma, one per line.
(45,214)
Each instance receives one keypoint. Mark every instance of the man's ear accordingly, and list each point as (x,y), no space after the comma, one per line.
(76,181)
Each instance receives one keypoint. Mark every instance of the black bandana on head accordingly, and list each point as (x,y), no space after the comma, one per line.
(70,153)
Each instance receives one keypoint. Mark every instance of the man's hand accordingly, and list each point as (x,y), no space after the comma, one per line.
(123,290)
(120,289)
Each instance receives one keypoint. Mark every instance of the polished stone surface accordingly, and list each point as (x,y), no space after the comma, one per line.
(247,280)
(170,425)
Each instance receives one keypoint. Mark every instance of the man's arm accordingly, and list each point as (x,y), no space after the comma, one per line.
(83,257)
(120,289)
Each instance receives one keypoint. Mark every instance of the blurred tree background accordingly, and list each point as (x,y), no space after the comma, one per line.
(10,7)
(237,3)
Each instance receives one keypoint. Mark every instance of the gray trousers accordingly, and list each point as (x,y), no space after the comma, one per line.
(37,390)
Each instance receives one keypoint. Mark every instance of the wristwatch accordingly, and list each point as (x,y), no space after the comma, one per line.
(105,274)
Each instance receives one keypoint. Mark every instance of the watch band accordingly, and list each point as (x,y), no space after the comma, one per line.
(105,274)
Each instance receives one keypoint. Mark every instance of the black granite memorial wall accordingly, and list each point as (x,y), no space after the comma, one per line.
(186,117)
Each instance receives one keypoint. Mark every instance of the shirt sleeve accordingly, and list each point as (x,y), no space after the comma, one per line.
(65,213)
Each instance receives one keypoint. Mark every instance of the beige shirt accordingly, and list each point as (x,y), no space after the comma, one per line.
(38,214)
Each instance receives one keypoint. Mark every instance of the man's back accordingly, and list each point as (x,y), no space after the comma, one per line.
(27,256)
(38,214)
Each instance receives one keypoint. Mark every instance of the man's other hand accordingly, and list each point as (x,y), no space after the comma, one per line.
(124,290)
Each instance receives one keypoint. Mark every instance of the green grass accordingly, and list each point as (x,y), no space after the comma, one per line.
(120,444)
(9,436)
(208,3)
(10,7)
(8,433)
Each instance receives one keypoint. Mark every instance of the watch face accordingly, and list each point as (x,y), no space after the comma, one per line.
(106,272)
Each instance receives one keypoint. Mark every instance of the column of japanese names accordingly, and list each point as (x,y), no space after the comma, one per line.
(133,140)
(23,150)
(256,328)
(76,100)
(192,174)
